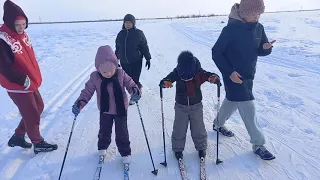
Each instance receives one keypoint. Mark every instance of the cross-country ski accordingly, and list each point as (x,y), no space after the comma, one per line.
(126,171)
(183,171)
(99,168)
(203,175)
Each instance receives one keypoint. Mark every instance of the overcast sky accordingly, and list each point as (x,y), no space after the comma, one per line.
(64,10)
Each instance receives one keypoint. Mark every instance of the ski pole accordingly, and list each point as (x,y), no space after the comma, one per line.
(163,135)
(155,171)
(65,155)
(218,161)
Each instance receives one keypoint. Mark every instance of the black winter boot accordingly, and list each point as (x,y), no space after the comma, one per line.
(224,131)
(43,146)
(178,155)
(202,153)
(19,141)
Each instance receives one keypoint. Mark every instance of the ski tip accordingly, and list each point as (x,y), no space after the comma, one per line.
(164,164)
(155,172)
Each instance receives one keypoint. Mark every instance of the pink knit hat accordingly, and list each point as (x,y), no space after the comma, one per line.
(251,8)
(106,59)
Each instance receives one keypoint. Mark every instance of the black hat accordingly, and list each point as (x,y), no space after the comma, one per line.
(186,65)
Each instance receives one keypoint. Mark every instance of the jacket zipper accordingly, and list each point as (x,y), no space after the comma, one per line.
(125,46)
(188,101)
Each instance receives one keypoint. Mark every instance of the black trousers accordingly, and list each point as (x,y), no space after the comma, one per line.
(133,70)
(122,134)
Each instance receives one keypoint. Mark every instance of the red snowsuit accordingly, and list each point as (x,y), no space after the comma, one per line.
(18,62)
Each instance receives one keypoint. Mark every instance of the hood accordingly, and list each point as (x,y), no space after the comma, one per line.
(234,14)
(11,13)
(129,17)
(106,55)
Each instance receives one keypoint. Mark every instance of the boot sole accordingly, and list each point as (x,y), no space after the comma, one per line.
(266,159)
(12,145)
(44,150)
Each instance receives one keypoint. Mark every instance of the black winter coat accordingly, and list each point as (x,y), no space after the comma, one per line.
(131,46)
(237,49)
(189,93)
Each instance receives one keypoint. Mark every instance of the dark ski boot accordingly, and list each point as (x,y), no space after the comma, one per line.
(43,146)
(202,153)
(178,155)
(263,153)
(19,141)
(224,131)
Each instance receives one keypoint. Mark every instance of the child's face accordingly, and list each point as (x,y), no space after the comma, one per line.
(107,74)
(20,26)
(106,71)
(252,19)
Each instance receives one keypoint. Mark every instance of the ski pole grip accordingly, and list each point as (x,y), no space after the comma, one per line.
(161,93)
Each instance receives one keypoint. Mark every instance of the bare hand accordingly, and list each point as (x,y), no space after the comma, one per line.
(268,45)
(235,77)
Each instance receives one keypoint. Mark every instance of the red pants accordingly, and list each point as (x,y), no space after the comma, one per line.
(30,106)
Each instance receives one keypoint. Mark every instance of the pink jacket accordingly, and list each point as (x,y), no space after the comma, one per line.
(105,53)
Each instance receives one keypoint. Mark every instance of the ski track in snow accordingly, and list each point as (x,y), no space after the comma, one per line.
(286,90)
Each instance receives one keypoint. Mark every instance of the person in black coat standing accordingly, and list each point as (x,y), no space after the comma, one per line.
(131,47)
(235,54)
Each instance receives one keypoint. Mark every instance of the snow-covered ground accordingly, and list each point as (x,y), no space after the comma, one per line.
(286,88)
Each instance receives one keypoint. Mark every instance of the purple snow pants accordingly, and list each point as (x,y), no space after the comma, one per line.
(122,134)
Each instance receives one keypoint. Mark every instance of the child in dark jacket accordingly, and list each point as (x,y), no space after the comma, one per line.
(109,82)
(189,76)
(235,53)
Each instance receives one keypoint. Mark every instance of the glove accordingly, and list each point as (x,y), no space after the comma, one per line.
(76,108)
(148,64)
(166,84)
(214,79)
(136,95)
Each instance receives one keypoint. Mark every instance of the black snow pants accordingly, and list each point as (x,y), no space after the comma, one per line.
(133,69)
(122,134)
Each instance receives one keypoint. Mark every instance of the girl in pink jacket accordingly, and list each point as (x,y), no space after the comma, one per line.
(109,83)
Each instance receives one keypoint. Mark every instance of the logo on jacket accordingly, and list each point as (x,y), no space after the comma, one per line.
(27,41)
(15,45)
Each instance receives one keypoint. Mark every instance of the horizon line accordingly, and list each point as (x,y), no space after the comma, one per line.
(160,18)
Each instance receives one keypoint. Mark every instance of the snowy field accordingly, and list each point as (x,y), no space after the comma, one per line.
(287,91)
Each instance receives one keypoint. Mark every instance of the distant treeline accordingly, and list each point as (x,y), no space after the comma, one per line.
(176,17)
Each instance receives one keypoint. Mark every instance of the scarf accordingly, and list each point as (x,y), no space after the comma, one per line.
(193,85)
(117,91)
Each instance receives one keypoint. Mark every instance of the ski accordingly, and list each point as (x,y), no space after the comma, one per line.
(99,167)
(203,175)
(183,171)
(126,171)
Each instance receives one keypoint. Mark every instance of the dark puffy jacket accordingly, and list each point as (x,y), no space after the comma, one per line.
(131,44)
(237,49)
(188,93)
